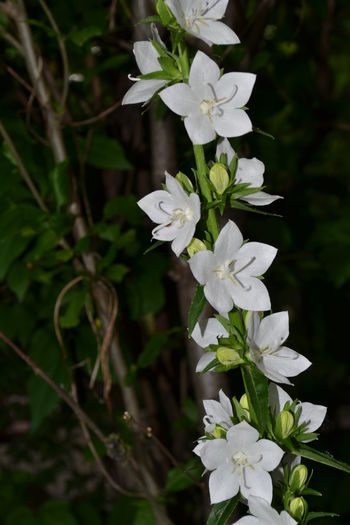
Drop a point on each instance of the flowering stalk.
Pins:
(253, 446)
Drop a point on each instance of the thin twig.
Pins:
(107, 342)
(11, 40)
(59, 390)
(98, 117)
(22, 169)
(111, 16)
(63, 50)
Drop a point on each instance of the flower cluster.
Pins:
(250, 443)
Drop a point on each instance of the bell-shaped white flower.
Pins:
(249, 171)
(211, 105)
(230, 273)
(200, 18)
(312, 415)
(240, 462)
(205, 333)
(264, 514)
(176, 213)
(217, 413)
(146, 57)
(265, 338)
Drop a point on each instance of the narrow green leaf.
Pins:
(153, 247)
(257, 389)
(314, 515)
(321, 457)
(149, 20)
(177, 479)
(79, 38)
(221, 512)
(196, 309)
(240, 206)
(18, 279)
(158, 75)
(117, 272)
(261, 132)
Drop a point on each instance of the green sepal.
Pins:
(210, 366)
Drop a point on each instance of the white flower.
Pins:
(200, 18)
(205, 333)
(176, 213)
(210, 104)
(240, 462)
(230, 273)
(312, 415)
(265, 338)
(147, 60)
(264, 514)
(249, 171)
(217, 413)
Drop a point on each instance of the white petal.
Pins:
(175, 188)
(262, 510)
(195, 205)
(207, 331)
(204, 361)
(203, 71)
(254, 296)
(241, 436)
(238, 84)
(217, 10)
(215, 411)
(218, 293)
(142, 91)
(278, 398)
(180, 98)
(286, 519)
(253, 326)
(232, 123)
(228, 242)
(286, 362)
(260, 198)
(257, 483)
(224, 147)
(259, 256)
(273, 330)
(271, 372)
(313, 415)
(167, 232)
(250, 171)
(271, 454)
(197, 449)
(146, 57)
(214, 453)
(199, 129)
(248, 520)
(202, 265)
(215, 32)
(150, 205)
(175, 8)
(223, 484)
(225, 402)
(183, 238)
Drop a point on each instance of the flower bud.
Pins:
(185, 182)
(297, 478)
(196, 245)
(244, 402)
(219, 432)
(219, 178)
(284, 424)
(228, 356)
(298, 508)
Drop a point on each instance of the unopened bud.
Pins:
(228, 356)
(184, 181)
(196, 245)
(219, 178)
(284, 424)
(244, 402)
(219, 432)
(297, 478)
(298, 508)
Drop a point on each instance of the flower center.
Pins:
(181, 215)
(212, 106)
(227, 271)
(240, 459)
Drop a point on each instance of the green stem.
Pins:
(212, 223)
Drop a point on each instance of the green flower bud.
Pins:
(298, 508)
(297, 478)
(219, 178)
(195, 246)
(219, 432)
(228, 356)
(185, 182)
(244, 402)
(284, 424)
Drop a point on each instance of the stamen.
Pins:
(246, 266)
(135, 79)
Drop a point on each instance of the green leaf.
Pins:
(107, 154)
(164, 12)
(56, 513)
(154, 346)
(21, 516)
(79, 38)
(117, 272)
(158, 75)
(155, 245)
(245, 207)
(261, 132)
(144, 514)
(10, 249)
(18, 279)
(149, 20)
(321, 457)
(124, 206)
(221, 512)
(257, 390)
(71, 317)
(315, 515)
(178, 481)
(196, 309)
(60, 183)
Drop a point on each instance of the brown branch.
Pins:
(11, 40)
(59, 390)
(98, 117)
